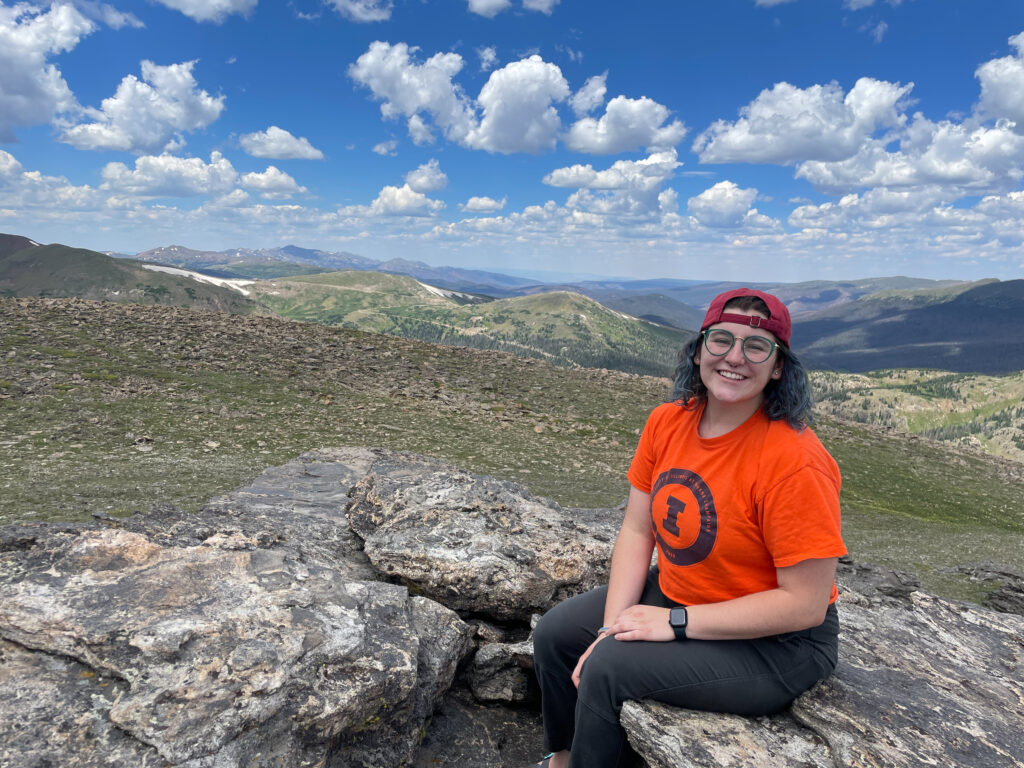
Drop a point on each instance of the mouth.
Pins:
(731, 375)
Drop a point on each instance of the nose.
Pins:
(735, 355)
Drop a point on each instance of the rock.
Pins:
(233, 637)
(921, 681)
(499, 672)
(465, 734)
(475, 543)
(1008, 595)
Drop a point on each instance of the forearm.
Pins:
(631, 562)
(772, 612)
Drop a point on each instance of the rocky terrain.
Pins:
(361, 607)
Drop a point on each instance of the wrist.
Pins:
(678, 619)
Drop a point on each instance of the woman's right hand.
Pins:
(583, 658)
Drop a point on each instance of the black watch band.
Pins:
(677, 619)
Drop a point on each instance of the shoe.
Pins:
(543, 763)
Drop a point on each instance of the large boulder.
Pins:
(920, 681)
(476, 543)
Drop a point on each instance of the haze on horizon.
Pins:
(755, 140)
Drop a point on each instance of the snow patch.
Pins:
(234, 284)
(444, 293)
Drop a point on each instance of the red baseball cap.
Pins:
(779, 322)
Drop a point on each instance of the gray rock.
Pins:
(218, 655)
(499, 672)
(921, 681)
(475, 543)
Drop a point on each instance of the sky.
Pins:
(760, 140)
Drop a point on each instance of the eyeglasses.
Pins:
(757, 349)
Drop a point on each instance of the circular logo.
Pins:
(676, 508)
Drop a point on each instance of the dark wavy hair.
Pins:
(788, 397)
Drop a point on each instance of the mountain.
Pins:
(563, 327)
(57, 270)
(456, 279)
(966, 328)
(11, 243)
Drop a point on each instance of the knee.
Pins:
(600, 678)
(547, 635)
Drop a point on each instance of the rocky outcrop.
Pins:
(359, 607)
(921, 681)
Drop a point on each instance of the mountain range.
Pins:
(633, 325)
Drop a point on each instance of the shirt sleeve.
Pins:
(800, 517)
(641, 469)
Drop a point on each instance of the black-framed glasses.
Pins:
(757, 349)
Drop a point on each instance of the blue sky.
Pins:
(705, 139)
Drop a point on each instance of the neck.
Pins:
(719, 418)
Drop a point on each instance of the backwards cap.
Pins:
(779, 322)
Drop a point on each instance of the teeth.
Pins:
(731, 375)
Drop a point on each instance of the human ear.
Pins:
(777, 371)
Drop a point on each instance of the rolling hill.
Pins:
(59, 271)
(562, 327)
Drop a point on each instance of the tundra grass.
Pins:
(111, 409)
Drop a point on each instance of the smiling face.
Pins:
(731, 379)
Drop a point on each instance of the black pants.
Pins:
(746, 677)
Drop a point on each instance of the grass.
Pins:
(114, 408)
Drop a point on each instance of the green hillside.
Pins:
(59, 271)
(561, 327)
(110, 409)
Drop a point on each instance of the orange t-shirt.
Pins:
(727, 511)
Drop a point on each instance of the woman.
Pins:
(742, 502)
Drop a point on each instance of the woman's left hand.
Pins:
(643, 622)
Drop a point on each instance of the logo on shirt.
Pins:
(685, 489)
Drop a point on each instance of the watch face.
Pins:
(677, 617)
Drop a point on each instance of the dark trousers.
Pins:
(745, 677)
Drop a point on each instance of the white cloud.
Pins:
(856, 5)
(148, 115)
(483, 205)
(363, 11)
(427, 178)
(646, 174)
(386, 148)
(271, 184)
(958, 156)
(108, 15)
(488, 57)
(488, 8)
(210, 10)
(408, 89)
(419, 131)
(518, 108)
(627, 124)
(544, 6)
(279, 144)
(32, 90)
(170, 176)
(770, 3)
(590, 96)
(30, 191)
(723, 205)
(403, 201)
(787, 124)
(879, 30)
(1002, 85)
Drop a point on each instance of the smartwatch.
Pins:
(677, 620)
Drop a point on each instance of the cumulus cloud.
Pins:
(590, 96)
(956, 155)
(403, 201)
(488, 8)
(279, 144)
(210, 10)
(408, 89)
(786, 124)
(518, 112)
(363, 11)
(32, 90)
(626, 188)
(170, 176)
(271, 184)
(386, 148)
(108, 15)
(627, 124)
(483, 204)
(1002, 85)
(723, 205)
(427, 178)
(31, 190)
(148, 115)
